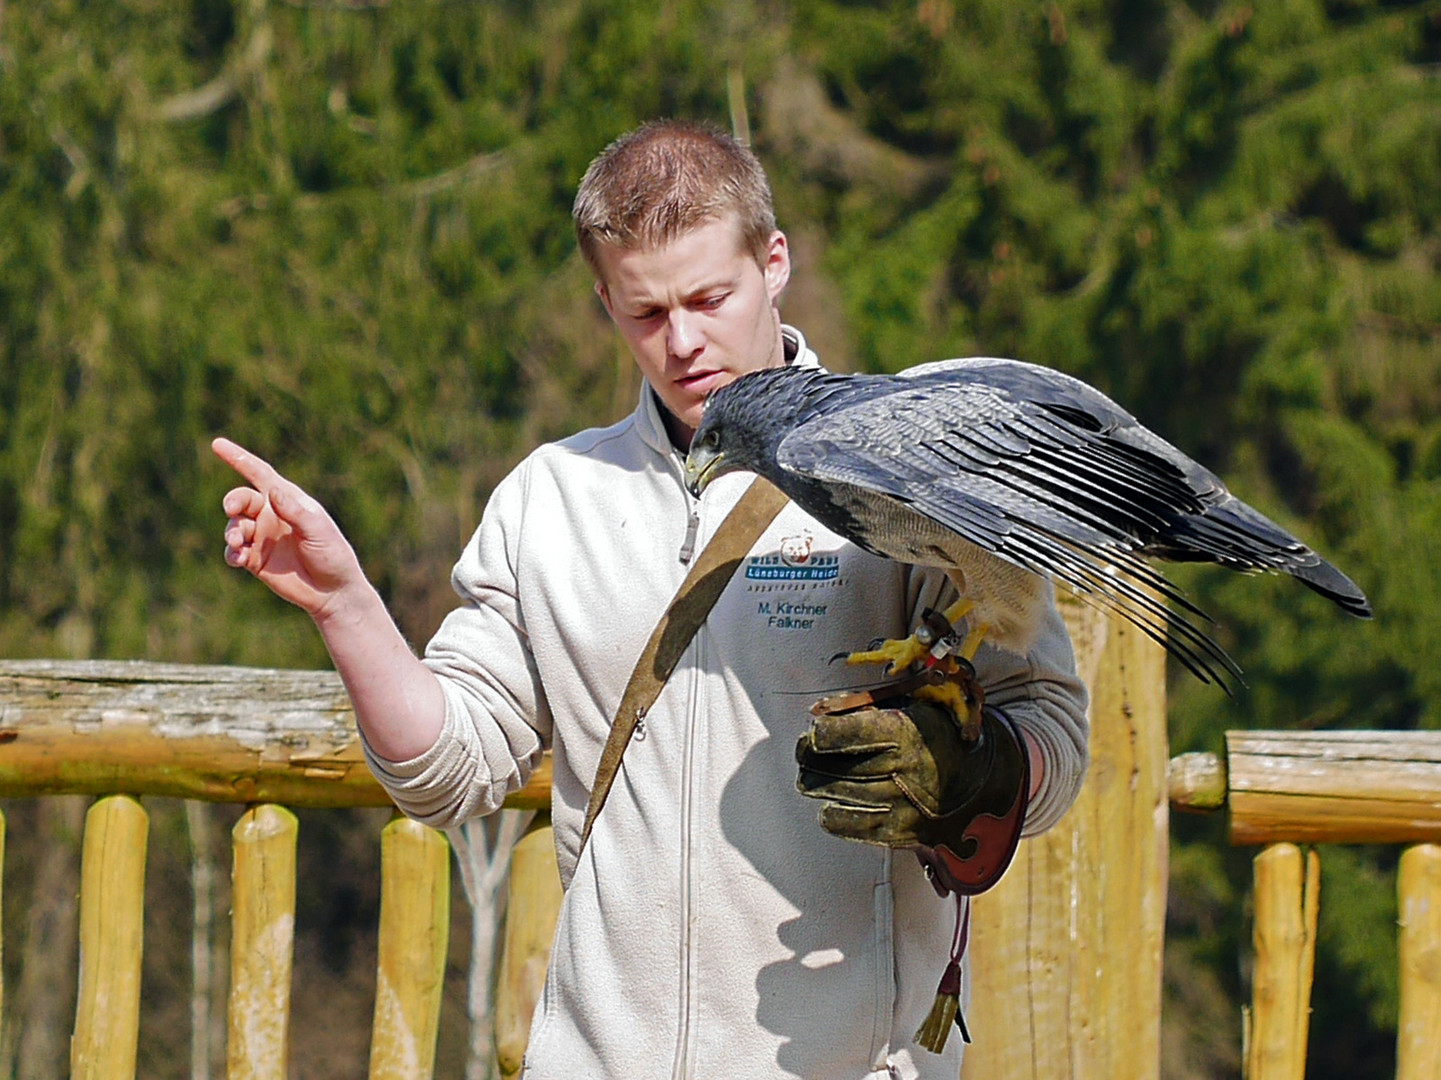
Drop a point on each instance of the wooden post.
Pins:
(262, 943)
(531, 913)
(414, 934)
(112, 919)
(1287, 903)
(1066, 950)
(1418, 1038)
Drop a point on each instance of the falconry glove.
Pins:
(910, 776)
(906, 777)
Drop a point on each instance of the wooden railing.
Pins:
(1284, 789)
(1071, 939)
(258, 737)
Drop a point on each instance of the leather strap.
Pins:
(698, 593)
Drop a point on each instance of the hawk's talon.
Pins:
(898, 654)
(934, 642)
(850, 657)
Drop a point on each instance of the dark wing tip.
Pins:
(1335, 586)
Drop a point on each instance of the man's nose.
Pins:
(684, 336)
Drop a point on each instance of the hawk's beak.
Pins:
(701, 467)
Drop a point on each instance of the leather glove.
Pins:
(904, 777)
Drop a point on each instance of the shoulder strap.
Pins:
(707, 579)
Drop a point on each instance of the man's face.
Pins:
(697, 313)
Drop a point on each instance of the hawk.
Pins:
(1003, 473)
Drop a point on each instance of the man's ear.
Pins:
(600, 291)
(777, 265)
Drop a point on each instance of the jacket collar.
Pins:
(648, 421)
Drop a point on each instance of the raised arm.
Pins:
(287, 540)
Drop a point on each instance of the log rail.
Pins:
(270, 739)
(123, 730)
(1281, 789)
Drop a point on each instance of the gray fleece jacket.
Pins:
(710, 928)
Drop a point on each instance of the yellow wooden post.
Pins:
(1418, 1042)
(112, 902)
(531, 913)
(414, 934)
(1066, 950)
(1288, 888)
(262, 943)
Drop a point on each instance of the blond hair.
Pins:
(665, 178)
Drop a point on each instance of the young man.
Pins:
(710, 926)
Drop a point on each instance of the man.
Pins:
(710, 926)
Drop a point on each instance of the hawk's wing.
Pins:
(1048, 487)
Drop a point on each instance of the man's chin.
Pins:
(686, 409)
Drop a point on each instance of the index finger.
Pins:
(258, 472)
(864, 731)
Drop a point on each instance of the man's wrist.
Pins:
(1037, 762)
(355, 604)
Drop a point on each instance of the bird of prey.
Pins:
(1003, 473)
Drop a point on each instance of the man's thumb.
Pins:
(293, 506)
(285, 505)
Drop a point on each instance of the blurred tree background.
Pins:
(338, 232)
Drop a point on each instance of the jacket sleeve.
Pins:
(496, 719)
(1043, 694)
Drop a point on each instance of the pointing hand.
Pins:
(284, 537)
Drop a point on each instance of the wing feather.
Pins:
(1043, 488)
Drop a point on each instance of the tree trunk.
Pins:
(483, 848)
(202, 879)
(45, 997)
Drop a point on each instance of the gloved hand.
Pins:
(904, 777)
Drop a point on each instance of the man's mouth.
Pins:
(700, 382)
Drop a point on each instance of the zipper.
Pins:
(681, 1064)
(692, 525)
(681, 1067)
(687, 547)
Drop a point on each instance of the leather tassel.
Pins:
(946, 1010)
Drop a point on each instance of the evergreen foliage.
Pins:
(338, 232)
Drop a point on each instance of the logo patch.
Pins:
(796, 550)
(797, 561)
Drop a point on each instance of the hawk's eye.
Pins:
(712, 438)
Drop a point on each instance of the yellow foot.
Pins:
(899, 653)
(933, 639)
(962, 698)
(958, 691)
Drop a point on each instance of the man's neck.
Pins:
(678, 433)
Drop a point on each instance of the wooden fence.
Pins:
(1283, 789)
(1046, 940)
(267, 739)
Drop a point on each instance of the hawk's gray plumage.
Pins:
(1000, 471)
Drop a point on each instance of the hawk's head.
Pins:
(744, 422)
